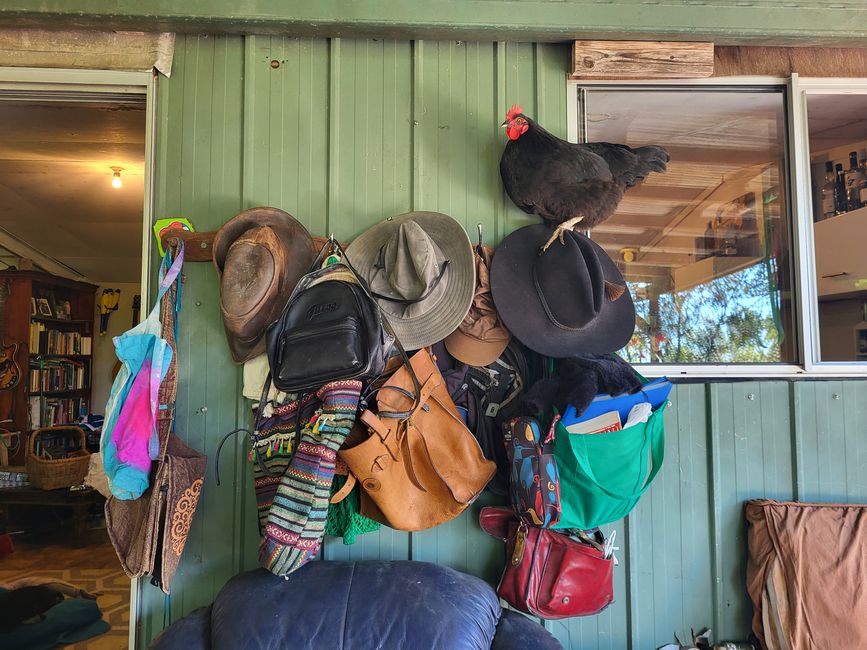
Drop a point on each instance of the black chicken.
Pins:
(561, 181)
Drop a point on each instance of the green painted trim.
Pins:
(768, 22)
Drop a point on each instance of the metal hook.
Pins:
(479, 226)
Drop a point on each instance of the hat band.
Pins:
(410, 301)
(548, 309)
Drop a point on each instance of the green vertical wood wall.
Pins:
(343, 133)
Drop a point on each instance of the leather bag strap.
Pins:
(343, 492)
(336, 247)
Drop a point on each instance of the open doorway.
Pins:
(72, 187)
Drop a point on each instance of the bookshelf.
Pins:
(54, 349)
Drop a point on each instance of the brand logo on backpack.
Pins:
(318, 310)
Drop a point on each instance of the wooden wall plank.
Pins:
(751, 431)
(641, 60)
(199, 177)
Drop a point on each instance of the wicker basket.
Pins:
(51, 474)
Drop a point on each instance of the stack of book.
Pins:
(47, 341)
(59, 374)
(56, 411)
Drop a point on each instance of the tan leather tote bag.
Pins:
(419, 465)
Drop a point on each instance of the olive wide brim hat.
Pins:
(420, 268)
(569, 299)
(260, 255)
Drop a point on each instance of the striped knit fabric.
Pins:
(295, 523)
(272, 441)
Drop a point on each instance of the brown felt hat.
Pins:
(481, 337)
(260, 255)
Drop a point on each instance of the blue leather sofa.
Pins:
(356, 606)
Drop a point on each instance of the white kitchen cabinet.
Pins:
(841, 253)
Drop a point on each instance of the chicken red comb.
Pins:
(514, 112)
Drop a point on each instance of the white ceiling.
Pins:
(712, 137)
(836, 120)
(55, 183)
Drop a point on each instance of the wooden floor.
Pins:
(94, 568)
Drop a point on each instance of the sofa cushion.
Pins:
(518, 632)
(355, 606)
(192, 632)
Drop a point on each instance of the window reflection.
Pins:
(705, 247)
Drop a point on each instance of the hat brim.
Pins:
(522, 311)
(472, 351)
(442, 317)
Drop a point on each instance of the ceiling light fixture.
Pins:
(116, 183)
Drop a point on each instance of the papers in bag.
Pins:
(610, 421)
(605, 423)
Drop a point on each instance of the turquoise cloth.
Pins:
(129, 439)
(71, 621)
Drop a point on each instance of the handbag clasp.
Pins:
(520, 544)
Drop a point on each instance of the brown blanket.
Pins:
(807, 574)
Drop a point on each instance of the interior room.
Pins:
(838, 179)
(71, 211)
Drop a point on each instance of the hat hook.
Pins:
(479, 226)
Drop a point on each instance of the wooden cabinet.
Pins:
(52, 349)
(841, 254)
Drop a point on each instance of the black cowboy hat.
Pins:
(565, 300)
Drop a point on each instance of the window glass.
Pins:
(705, 246)
(838, 173)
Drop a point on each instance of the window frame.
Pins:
(805, 313)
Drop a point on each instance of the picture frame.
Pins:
(44, 308)
(62, 309)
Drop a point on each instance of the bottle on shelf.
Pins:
(853, 183)
(828, 189)
(841, 202)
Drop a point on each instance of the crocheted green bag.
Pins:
(344, 518)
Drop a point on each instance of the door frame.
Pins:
(112, 82)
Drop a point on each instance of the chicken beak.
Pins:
(504, 124)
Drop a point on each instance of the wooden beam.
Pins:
(640, 60)
(21, 248)
(53, 48)
(199, 246)
(728, 22)
(734, 61)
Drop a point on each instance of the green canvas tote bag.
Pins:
(602, 475)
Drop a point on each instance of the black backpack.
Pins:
(330, 329)
(488, 397)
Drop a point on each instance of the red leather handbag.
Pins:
(549, 574)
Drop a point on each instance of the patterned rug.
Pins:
(112, 585)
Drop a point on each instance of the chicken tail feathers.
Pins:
(647, 160)
(654, 158)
